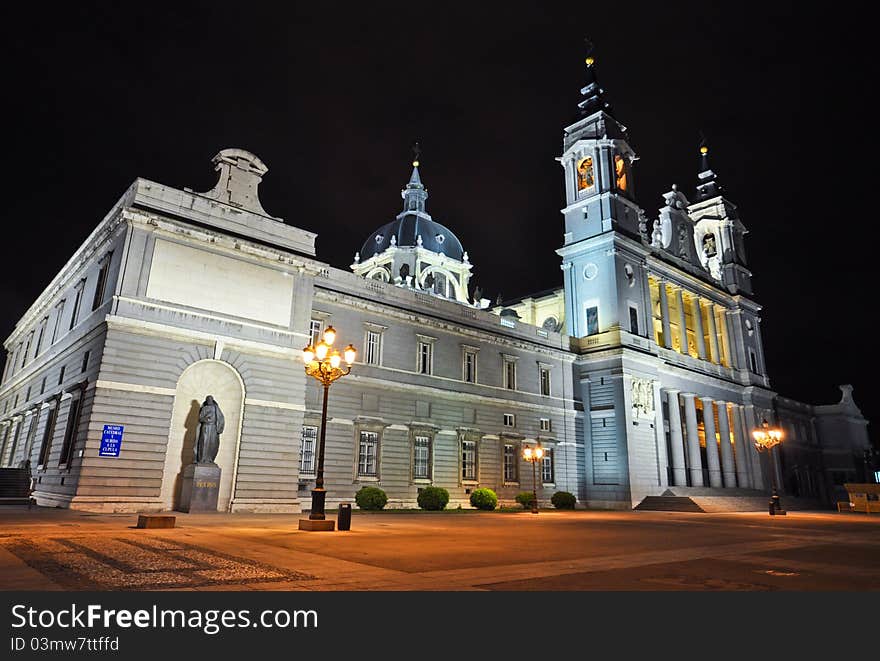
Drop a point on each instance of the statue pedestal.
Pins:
(200, 489)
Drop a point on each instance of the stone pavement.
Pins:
(51, 549)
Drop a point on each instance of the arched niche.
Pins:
(202, 378)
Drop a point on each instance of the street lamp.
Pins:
(533, 455)
(323, 363)
(766, 438)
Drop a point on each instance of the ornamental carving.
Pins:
(643, 396)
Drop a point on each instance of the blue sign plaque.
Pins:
(111, 441)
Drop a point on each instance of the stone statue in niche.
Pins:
(709, 248)
(643, 396)
(404, 271)
(682, 242)
(211, 425)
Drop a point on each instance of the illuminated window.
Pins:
(468, 460)
(510, 463)
(620, 172)
(422, 457)
(367, 453)
(585, 178)
(307, 450)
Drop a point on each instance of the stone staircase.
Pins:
(703, 499)
(668, 504)
(15, 486)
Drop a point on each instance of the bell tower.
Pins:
(597, 163)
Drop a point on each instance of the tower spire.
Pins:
(414, 193)
(707, 186)
(593, 95)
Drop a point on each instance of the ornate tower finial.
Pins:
(707, 186)
(593, 100)
(414, 193)
(417, 151)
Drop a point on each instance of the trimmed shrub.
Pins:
(524, 498)
(484, 499)
(370, 498)
(563, 500)
(433, 498)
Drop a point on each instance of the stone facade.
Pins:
(178, 294)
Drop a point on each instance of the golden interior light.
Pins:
(350, 354)
(308, 354)
(330, 335)
(321, 350)
(335, 359)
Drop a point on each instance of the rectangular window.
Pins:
(69, 444)
(469, 366)
(546, 425)
(633, 320)
(61, 375)
(74, 317)
(468, 460)
(510, 463)
(592, 320)
(509, 373)
(367, 452)
(316, 328)
(59, 313)
(27, 348)
(509, 420)
(102, 281)
(545, 381)
(48, 432)
(547, 467)
(43, 386)
(373, 347)
(85, 363)
(753, 359)
(307, 450)
(422, 457)
(425, 357)
(40, 335)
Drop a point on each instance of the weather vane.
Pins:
(589, 51)
(417, 150)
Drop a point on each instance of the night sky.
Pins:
(332, 97)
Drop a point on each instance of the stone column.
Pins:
(731, 340)
(712, 458)
(693, 440)
(751, 422)
(741, 443)
(664, 313)
(682, 321)
(698, 328)
(728, 469)
(676, 440)
(713, 334)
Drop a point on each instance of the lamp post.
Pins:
(766, 438)
(323, 363)
(533, 455)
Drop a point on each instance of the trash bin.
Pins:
(343, 521)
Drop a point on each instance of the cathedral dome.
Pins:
(405, 231)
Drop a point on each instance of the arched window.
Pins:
(620, 173)
(585, 179)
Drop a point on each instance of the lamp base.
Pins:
(317, 525)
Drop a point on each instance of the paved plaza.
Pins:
(52, 549)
